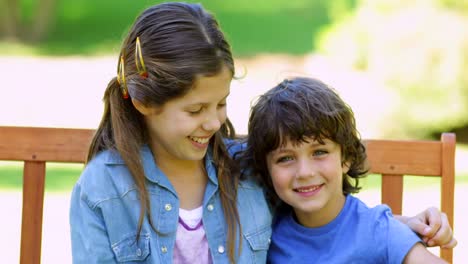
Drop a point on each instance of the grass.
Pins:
(411, 182)
(88, 27)
(60, 177)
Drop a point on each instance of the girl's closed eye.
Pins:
(222, 105)
(194, 111)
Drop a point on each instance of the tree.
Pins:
(9, 15)
(14, 28)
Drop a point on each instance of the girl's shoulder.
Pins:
(96, 168)
(104, 177)
(234, 146)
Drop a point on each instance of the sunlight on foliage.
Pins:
(417, 49)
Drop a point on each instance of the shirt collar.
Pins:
(152, 171)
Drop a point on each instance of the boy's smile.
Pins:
(309, 177)
(308, 190)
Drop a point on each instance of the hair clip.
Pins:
(140, 63)
(121, 77)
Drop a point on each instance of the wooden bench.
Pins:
(36, 146)
(393, 159)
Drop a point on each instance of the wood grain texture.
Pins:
(405, 157)
(33, 202)
(44, 144)
(391, 158)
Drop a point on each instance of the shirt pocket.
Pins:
(129, 250)
(259, 239)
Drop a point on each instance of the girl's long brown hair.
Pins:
(179, 43)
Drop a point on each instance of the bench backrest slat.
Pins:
(391, 158)
(44, 144)
(394, 159)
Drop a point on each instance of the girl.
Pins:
(160, 185)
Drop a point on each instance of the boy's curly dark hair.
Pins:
(299, 109)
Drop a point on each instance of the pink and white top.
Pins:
(191, 245)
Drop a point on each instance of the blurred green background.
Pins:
(416, 50)
(88, 27)
(401, 65)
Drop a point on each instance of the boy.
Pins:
(304, 147)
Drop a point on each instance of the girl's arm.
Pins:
(433, 227)
(90, 242)
(419, 254)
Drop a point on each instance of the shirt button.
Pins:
(168, 207)
(210, 207)
(269, 241)
(220, 249)
(138, 253)
(164, 249)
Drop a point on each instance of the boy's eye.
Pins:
(221, 105)
(284, 159)
(320, 152)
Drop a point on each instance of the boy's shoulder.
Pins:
(363, 234)
(376, 217)
(394, 238)
(363, 210)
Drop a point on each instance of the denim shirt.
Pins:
(105, 209)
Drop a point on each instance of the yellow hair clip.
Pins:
(121, 77)
(140, 63)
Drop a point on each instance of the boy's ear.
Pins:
(143, 109)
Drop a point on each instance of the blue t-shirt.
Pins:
(358, 234)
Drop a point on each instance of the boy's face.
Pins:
(309, 177)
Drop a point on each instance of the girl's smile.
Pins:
(200, 142)
(181, 129)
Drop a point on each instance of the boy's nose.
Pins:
(305, 169)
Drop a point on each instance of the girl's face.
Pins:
(309, 177)
(181, 129)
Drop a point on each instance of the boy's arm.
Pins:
(433, 227)
(419, 254)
